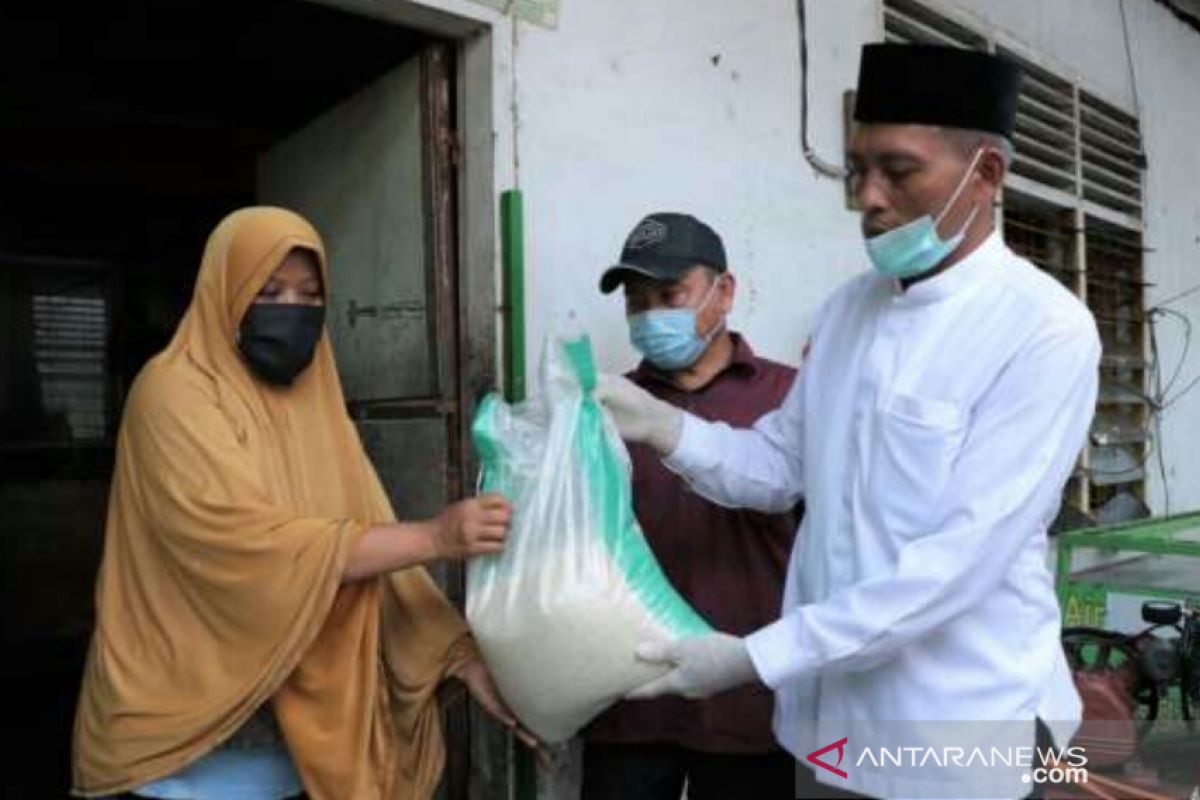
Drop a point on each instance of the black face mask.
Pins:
(278, 340)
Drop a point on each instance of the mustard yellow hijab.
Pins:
(233, 511)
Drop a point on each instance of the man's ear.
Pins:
(992, 169)
(727, 292)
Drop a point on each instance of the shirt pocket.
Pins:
(916, 441)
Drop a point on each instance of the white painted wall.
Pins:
(691, 105)
(622, 111)
(1168, 78)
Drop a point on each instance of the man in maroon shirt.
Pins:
(729, 564)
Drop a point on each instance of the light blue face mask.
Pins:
(667, 337)
(915, 247)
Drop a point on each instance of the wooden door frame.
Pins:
(465, 241)
(439, 157)
(457, 98)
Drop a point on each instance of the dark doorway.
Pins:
(128, 130)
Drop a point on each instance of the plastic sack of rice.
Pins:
(559, 613)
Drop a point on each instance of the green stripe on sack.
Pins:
(483, 432)
(609, 488)
(491, 479)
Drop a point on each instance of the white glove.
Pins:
(639, 415)
(703, 666)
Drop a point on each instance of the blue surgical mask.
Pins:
(915, 247)
(667, 337)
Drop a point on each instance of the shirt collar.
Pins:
(743, 360)
(959, 277)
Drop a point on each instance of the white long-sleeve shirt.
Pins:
(930, 432)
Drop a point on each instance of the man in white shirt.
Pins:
(939, 412)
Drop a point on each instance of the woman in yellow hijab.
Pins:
(264, 626)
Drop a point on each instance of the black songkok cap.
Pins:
(933, 85)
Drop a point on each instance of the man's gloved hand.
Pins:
(639, 415)
(703, 666)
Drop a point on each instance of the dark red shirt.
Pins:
(729, 564)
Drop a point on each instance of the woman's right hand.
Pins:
(472, 527)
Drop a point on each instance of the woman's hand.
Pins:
(479, 683)
(472, 527)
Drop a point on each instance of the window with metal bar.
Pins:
(56, 389)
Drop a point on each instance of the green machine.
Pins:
(1105, 574)
(1130, 596)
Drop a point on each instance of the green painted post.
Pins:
(512, 237)
(512, 253)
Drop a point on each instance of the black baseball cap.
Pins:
(663, 247)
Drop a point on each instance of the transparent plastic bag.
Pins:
(559, 613)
